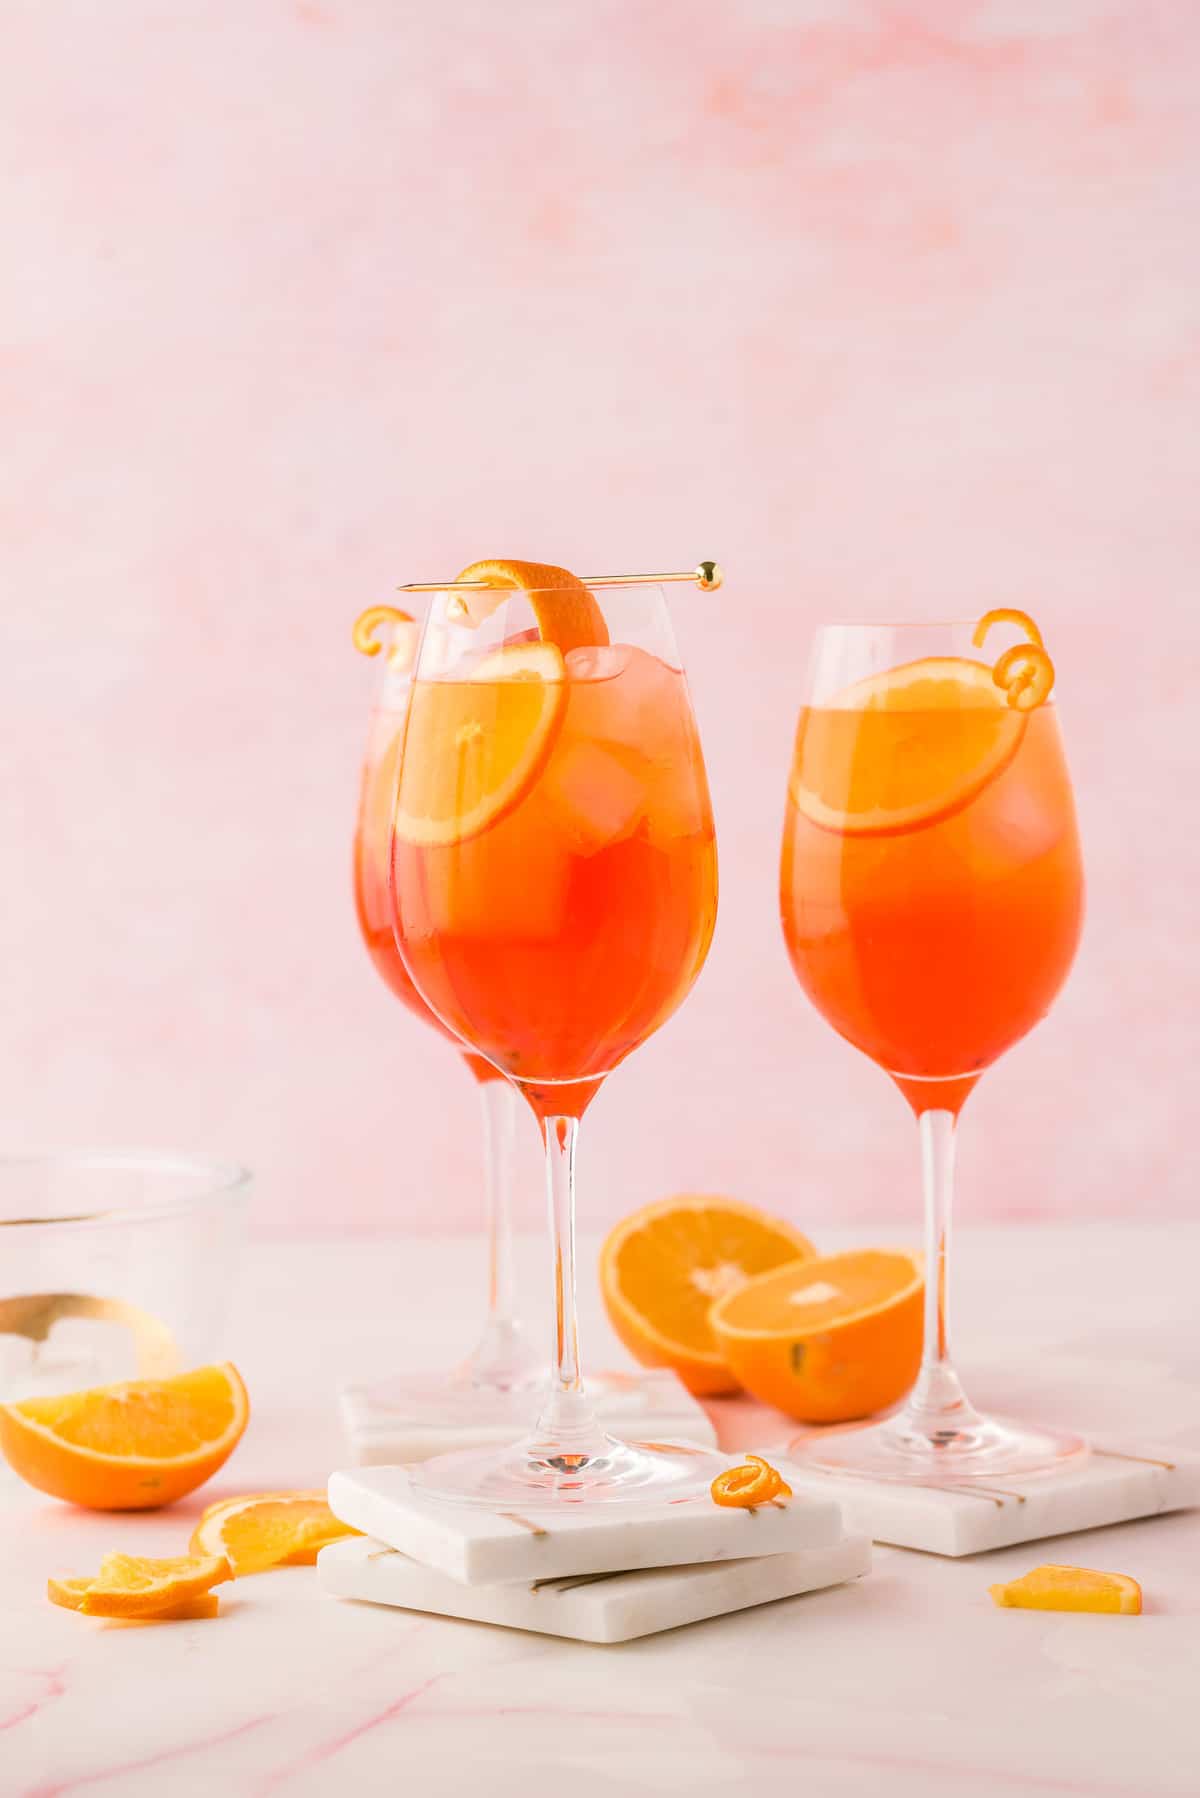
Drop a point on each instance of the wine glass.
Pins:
(554, 881)
(932, 900)
(502, 1362)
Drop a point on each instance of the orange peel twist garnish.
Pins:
(1024, 672)
(368, 622)
(755, 1482)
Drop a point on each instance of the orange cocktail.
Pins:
(561, 916)
(554, 879)
(931, 891)
(931, 886)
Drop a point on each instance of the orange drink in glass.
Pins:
(932, 898)
(555, 889)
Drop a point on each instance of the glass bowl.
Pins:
(114, 1266)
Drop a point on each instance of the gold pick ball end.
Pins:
(709, 576)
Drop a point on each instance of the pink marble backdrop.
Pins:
(890, 307)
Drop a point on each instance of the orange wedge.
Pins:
(1052, 1588)
(131, 1447)
(567, 615)
(662, 1268)
(829, 1339)
(268, 1529)
(130, 1586)
(70, 1594)
(483, 743)
(903, 749)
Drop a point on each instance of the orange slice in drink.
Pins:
(903, 749)
(484, 741)
(662, 1268)
(130, 1447)
(567, 615)
(268, 1529)
(826, 1340)
(1053, 1588)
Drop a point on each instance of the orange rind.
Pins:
(368, 624)
(754, 1482)
(1056, 1588)
(1024, 673)
(566, 611)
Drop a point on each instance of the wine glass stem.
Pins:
(500, 1358)
(938, 1407)
(567, 1413)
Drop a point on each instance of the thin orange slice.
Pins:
(826, 1340)
(268, 1529)
(662, 1268)
(1053, 1588)
(475, 747)
(567, 615)
(903, 749)
(132, 1586)
(130, 1447)
(70, 1595)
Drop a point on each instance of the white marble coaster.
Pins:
(972, 1516)
(399, 1422)
(592, 1607)
(479, 1546)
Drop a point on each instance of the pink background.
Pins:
(890, 308)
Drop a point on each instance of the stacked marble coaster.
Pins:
(970, 1516)
(410, 1420)
(598, 1573)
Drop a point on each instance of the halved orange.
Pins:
(268, 1529)
(662, 1268)
(830, 1339)
(133, 1586)
(1053, 1588)
(475, 747)
(904, 748)
(130, 1447)
(566, 612)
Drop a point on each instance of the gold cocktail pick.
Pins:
(707, 576)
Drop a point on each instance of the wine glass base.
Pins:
(537, 1475)
(986, 1448)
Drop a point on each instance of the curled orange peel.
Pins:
(368, 622)
(1025, 672)
(755, 1482)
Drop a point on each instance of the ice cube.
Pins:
(596, 796)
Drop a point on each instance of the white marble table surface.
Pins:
(911, 1683)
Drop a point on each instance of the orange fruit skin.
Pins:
(99, 1482)
(705, 1372)
(834, 1374)
(566, 611)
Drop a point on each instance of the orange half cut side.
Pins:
(482, 743)
(903, 749)
(129, 1447)
(566, 611)
(662, 1268)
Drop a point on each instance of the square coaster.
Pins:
(396, 1422)
(591, 1607)
(479, 1546)
(968, 1518)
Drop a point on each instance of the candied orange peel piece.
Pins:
(754, 1482)
(363, 635)
(1025, 672)
(1055, 1588)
